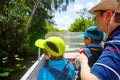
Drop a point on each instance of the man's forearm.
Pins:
(85, 73)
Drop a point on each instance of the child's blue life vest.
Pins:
(60, 75)
(93, 53)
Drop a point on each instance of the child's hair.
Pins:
(94, 41)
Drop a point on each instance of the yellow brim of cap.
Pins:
(40, 43)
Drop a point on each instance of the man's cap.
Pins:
(54, 45)
(93, 33)
(106, 5)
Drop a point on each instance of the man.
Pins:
(107, 67)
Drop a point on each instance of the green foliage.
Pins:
(5, 74)
(20, 67)
(50, 28)
(82, 23)
(61, 5)
(13, 32)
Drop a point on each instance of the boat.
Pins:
(73, 44)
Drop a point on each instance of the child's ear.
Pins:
(47, 56)
(89, 39)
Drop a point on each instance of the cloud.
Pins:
(90, 5)
(63, 22)
(78, 7)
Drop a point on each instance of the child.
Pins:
(57, 67)
(92, 40)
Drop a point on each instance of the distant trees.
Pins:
(83, 22)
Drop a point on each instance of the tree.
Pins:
(83, 22)
(13, 32)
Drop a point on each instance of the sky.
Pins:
(65, 19)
